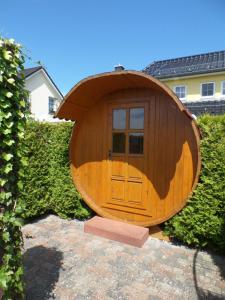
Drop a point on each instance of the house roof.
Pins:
(30, 71)
(188, 65)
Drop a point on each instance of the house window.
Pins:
(180, 91)
(207, 89)
(52, 105)
(223, 88)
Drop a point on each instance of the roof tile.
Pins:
(189, 65)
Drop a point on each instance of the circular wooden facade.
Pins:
(134, 149)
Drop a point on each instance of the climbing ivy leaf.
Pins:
(8, 168)
(7, 156)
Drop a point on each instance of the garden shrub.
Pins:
(202, 222)
(12, 161)
(48, 185)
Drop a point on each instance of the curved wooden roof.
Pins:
(89, 90)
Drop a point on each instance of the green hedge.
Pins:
(48, 186)
(202, 222)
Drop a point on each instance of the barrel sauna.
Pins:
(134, 149)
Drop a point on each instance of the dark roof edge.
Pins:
(35, 69)
(186, 74)
(42, 68)
(187, 56)
(53, 82)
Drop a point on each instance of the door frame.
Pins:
(125, 206)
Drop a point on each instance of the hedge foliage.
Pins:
(202, 222)
(13, 110)
(48, 186)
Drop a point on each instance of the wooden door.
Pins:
(127, 188)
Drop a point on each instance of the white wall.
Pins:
(40, 90)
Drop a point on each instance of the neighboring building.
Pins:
(45, 96)
(198, 80)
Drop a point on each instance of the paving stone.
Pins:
(61, 262)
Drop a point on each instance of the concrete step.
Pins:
(117, 231)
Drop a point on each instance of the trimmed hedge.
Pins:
(48, 186)
(202, 222)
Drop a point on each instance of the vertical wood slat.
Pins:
(170, 160)
(161, 158)
(187, 163)
(156, 154)
(179, 159)
(152, 196)
(104, 165)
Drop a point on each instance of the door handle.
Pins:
(110, 154)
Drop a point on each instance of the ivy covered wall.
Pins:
(12, 162)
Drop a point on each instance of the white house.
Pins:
(45, 96)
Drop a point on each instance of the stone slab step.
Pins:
(117, 231)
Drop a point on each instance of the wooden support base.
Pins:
(156, 232)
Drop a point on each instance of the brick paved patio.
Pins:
(62, 262)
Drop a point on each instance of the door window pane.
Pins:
(137, 118)
(136, 142)
(119, 142)
(119, 118)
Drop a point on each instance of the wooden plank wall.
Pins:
(172, 158)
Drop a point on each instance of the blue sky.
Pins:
(75, 39)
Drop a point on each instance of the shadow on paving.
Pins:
(203, 294)
(42, 267)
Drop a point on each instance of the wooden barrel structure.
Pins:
(134, 149)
